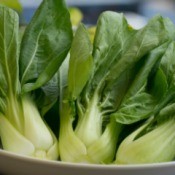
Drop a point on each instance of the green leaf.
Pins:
(112, 32)
(9, 24)
(117, 67)
(168, 65)
(166, 113)
(45, 44)
(144, 40)
(170, 28)
(158, 85)
(142, 94)
(145, 68)
(167, 72)
(111, 37)
(46, 96)
(81, 62)
(136, 108)
(9, 70)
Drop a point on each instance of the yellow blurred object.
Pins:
(76, 16)
(14, 4)
(130, 27)
(92, 31)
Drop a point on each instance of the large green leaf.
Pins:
(144, 40)
(112, 33)
(9, 79)
(119, 55)
(138, 103)
(111, 37)
(45, 44)
(160, 86)
(9, 50)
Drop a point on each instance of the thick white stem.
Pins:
(89, 126)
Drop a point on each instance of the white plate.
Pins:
(12, 164)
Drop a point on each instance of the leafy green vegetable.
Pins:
(81, 61)
(45, 44)
(154, 147)
(145, 92)
(155, 140)
(44, 51)
(138, 103)
(116, 94)
(123, 59)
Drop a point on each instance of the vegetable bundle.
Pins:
(27, 66)
(114, 96)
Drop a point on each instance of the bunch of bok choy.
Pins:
(114, 90)
(154, 140)
(106, 86)
(27, 66)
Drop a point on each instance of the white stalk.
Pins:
(89, 126)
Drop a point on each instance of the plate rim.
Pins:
(58, 163)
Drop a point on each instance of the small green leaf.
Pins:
(81, 62)
(166, 113)
(135, 108)
(158, 85)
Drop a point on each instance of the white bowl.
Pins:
(13, 164)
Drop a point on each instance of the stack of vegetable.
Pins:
(114, 96)
(28, 83)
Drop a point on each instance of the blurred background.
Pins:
(136, 11)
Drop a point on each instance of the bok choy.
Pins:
(154, 141)
(28, 70)
(115, 87)
(100, 76)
